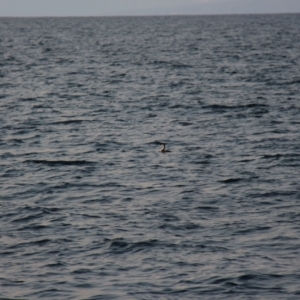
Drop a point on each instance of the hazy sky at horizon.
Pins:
(138, 7)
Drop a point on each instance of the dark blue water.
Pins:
(90, 209)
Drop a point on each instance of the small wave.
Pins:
(120, 245)
(248, 277)
(231, 180)
(288, 82)
(181, 106)
(60, 162)
(28, 218)
(208, 208)
(272, 194)
(181, 66)
(185, 123)
(220, 107)
(184, 227)
(267, 156)
(40, 242)
(160, 62)
(175, 65)
(252, 230)
(28, 99)
(70, 122)
(47, 50)
(3, 95)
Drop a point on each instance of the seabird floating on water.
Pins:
(163, 149)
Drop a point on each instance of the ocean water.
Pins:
(90, 209)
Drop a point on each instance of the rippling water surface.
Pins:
(90, 209)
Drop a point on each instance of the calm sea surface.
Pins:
(90, 209)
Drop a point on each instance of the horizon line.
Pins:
(156, 15)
